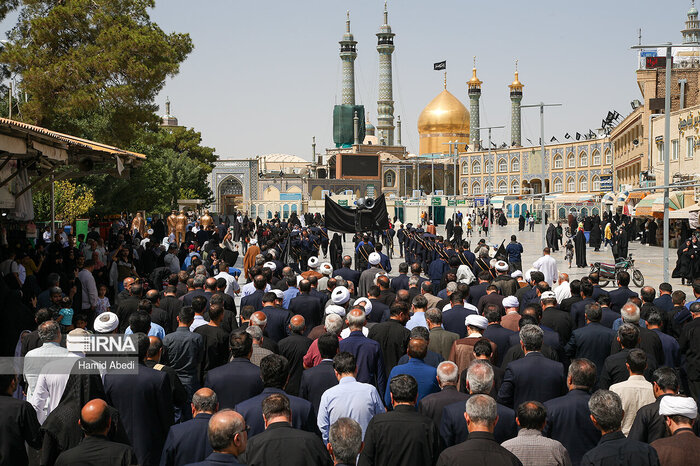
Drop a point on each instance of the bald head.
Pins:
(95, 418)
(227, 432)
(210, 284)
(204, 400)
(563, 277)
(417, 348)
(259, 319)
(297, 324)
(356, 319)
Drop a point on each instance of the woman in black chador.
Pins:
(580, 248)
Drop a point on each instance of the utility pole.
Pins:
(541, 106)
(492, 178)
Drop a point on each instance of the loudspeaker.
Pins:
(364, 220)
(369, 202)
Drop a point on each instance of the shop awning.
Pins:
(637, 195)
(497, 202)
(622, 196)
(676, 201)
(608, 198)
(645, 207)
(685, 212)
(571, 198)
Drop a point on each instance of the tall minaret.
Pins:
(385, 103)
(348, 53)
(474, 91)
(691, 33)
(516, 96)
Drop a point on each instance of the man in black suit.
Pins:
(198, 284)
(491, 297)
(18, 424)
(294, 347)
(387, 296)
(690, 347)
(615, 365)
(277, 317)
(598, 290)
(453, 318)
(380, 311)
(281, 443)
(533, 377)
(608, 316)
(307, 306)
(479, 380)
(550, 340)
(575, 287)
(255, 299)
(433, 404)
(591, 341)
(128, 306)
(568, 417)
(145, 405)
(347, 272)
(320, 295)
(496, 333)
(649, 341)
(188, 442)
(665, 301)
(578, 310)
(532, 296)
(400, 282)
(95, 421)
(622, 294)
(228, 436)
(479, 290)
(274, 370)
(171, 305)
(553, 318)
(648, 424)
(318, 379)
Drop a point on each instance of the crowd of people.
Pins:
(308, 354)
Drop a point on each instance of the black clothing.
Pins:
(187, 442)
(580, 249)
(569, 422)
(498, 373)
(294, 347)
(96, 450)
(649, 341)
(315, 381)
(619, 297)
(433, 404)
(453, 429)
(380, 312)
(615, 369)
(565, 304)
(690, 347)
(591, 342)
(309, 307)
(559, 321)
(615, 449)
(501, 337)
(648, 424)
(283, 444)
(578, 312)
(18, 424)
(171, 305)
(251, 410)
(234, 382)
(178, 390)
(392, 337)
(480, 449)
(216, 347)
(277, 322)
(400, 437)
(124, 309)
(533, 377)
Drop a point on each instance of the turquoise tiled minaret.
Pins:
(474, 91)
(516, 96)
(348, 54)
(385, 102)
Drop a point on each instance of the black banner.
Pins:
(442, 65)
(342, 219)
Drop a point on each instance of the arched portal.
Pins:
(230, 195)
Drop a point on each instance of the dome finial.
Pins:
(347, 22)
(474, 83)
(167, 105)
(516, 85)
(444, 84)
(386, 14)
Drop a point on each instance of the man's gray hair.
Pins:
(480, 377)
(207, 404)
(630, 313)
(451, 287)
(255, 332)
(199, 280)
(606, 407)
(220, 434)
(299, 327)
(333, 323)
(413, 280)
(482, 409)
(340, 281)
(200, 270)
(356, 320)
(448, 373)
(49, 331)
(345, 436)
(434, 315)
(262, 323)
(532, 337)
(484, 252)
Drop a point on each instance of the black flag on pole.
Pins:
(440, 65)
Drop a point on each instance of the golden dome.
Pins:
(516, 85)
(474, 82)
(444, 114)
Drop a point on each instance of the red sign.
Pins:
(656, 62)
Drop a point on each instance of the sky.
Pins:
(264, 75)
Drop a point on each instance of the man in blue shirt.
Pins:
(514, 250)
(367, 352)
(425, 375)
(291, 292)
(141, 322)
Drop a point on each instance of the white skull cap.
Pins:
(335, 309)
(368, 304)
(340, 295)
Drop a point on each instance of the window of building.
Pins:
(583, 159)
(476, 188)
(465, 168)
(476, 167)
(674, 149)
(571, 160)
(489, 166)
(558, 185)
(488, 187)
(596, 183)
(465, 189)
(608, 158)
(596, 158)
(515, 187)
(690, 147)
(502, 187)
(558, 161)
(515, 165)
(660, 149)
(389, 179)
(583, 184)
(571, 184)
(502, 166)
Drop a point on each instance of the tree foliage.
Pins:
(92, 67)
(71, 200)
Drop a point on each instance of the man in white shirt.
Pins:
(232, 287)
(87, 281)
(548, 266)
(563, 290)
(636, 391)
(36, 359)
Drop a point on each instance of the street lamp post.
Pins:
(541, 106)
(492, 179)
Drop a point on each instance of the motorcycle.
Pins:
(607, 272)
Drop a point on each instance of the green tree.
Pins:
(92, 67)
(71, 201)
